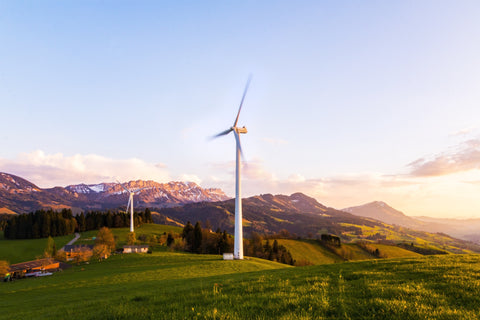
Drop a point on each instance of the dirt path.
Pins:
(77, 236)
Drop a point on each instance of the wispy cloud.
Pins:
(190, 178)
(464, 157)
(49, 170)
(463, 132)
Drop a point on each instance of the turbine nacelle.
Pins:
(240, 130)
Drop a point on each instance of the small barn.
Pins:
(73, 250)
(20, 270)
(135, 249)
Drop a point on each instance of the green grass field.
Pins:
(15, 251)
(307, 252)
(167, 285)
(393, 251)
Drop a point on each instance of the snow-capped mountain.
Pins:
(21, 196)
(14, 184)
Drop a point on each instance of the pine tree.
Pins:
(148, 216)
(170, 240)
(197, 237)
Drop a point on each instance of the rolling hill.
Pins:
(166, 285)
(304, 217)
(176, 203)
(466, 229)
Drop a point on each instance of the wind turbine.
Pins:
(238, 246)
(130, 203)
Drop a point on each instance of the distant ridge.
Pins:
(466, 229)
(298, 215)
(21, 196)
(381, 211)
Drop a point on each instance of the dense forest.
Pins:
(202, 240)
(45, 223)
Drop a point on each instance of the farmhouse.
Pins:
(74, 250)
(21, 270)
(135, 249)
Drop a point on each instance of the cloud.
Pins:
(191, 178)
(49, 170)
(463, 132)
(463, 158)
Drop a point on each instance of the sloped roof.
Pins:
(137, 247)
(77, 247)
(32, 264)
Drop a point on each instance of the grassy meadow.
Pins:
(310, 252)
(166, 285)
(21, 250)
(16, 251)
(172, 285)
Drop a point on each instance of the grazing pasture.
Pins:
(21, 250)
(166, 285)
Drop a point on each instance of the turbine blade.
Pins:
(138, 190)
(239, 145)
(243, 98)
(122, 186)
(223, 133)
(128, 204)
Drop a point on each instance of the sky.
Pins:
(350, 101)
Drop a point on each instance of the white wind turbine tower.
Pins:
(238, 246)
(130, 203)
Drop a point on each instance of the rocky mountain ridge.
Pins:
(21, 196)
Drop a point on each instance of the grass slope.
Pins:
(184, 286)
(15, 251)
(22, 250)
(106, 290)
(310, 252)
(6, 211)
(305, 251)
(394, 251)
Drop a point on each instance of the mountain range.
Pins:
(298, 215)
(178, 202)
(18, 195)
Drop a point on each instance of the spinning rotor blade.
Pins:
(223, 133)
(128, 204)
(138, 190)
(241, 102)
(123, 187)
(239, 145)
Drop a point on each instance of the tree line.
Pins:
(40, 224)
(50, 223)
(202, 240)
(260, 247)
(94, 220)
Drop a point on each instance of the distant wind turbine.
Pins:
(238, 246)
(130, 203)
